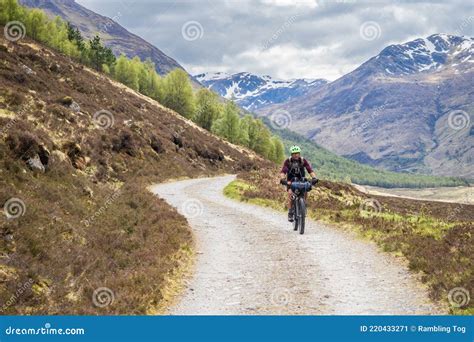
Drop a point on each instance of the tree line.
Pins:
(203, 106)
(174, 90)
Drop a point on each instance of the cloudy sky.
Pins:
(283, 38)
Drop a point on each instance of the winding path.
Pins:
(249, 261)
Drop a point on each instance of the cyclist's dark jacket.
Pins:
(295, 168)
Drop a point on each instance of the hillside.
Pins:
(77, 151)
(407, 109)
(113, 34)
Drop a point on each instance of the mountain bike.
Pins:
(299, 188)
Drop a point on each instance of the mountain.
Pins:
(407, 109)
(252, 92)
(114, 35)
(429, 54)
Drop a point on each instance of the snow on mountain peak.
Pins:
(426, 54)
(253, 91)
(211, 76)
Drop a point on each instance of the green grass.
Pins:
(330, 166)
(237, 188)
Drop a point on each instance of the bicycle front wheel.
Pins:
(301, 214)
(295, 215)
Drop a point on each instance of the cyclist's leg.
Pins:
(289, 203)
(291, 210)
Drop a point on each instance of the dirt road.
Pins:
(249, 261)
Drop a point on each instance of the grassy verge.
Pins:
(438, 244)
(236, 189)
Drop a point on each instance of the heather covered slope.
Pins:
(77, 152)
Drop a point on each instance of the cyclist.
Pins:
(294, 168)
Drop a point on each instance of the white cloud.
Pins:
(291, 3)
(302, 38)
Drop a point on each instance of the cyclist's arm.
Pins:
(284, 170)
(310, 170)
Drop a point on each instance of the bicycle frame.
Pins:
(299, 190)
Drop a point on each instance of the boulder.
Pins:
(35, 164)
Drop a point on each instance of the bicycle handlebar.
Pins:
(285, 182)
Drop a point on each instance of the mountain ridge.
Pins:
(400, 120)
(252, 91)
(115, 36)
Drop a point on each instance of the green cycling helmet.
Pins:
(295, 149)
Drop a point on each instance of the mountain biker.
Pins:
(294, 168)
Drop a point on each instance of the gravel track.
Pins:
(250, 261)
